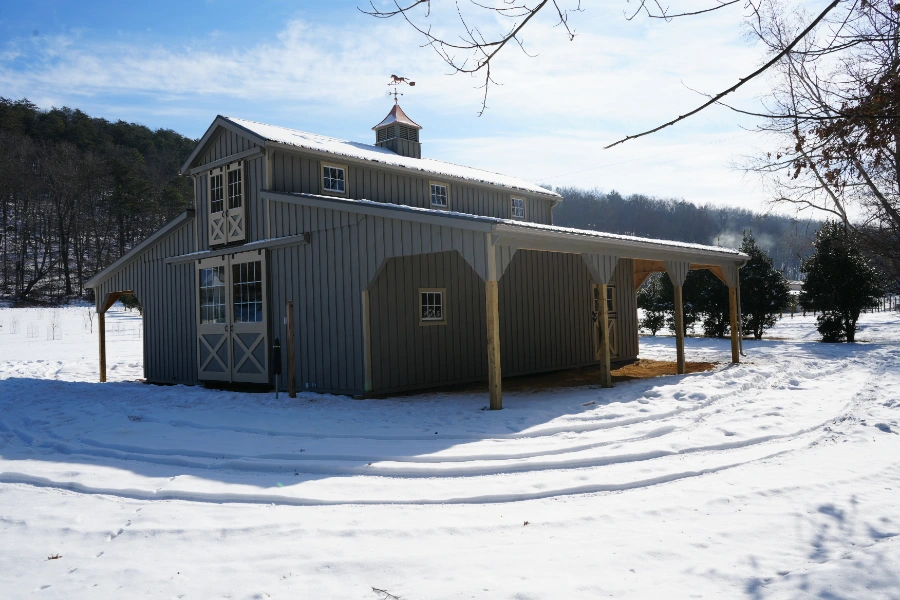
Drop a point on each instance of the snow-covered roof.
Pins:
(512, 225)
(322, 143)
(397, 116)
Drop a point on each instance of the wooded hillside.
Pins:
(785, 239)
(76, 192)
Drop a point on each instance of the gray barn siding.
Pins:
(227, 143)
(168, 296)
(626, 304)
(545, 319)
(296, 172)
(545, 313)
(407, 355)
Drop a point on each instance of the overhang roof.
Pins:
(263, 134)
(528, 235)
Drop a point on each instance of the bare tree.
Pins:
(472, 51)
(833, 118)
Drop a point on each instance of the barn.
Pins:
(380, 271)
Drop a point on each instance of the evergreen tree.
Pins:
(710, 298)
(840, 282)
(650, 300)
(764, 290)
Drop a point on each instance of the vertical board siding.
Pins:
(546, 319)
(299, 173)
(168, 297)
(545, 313)
(626, 306)
(408, 355)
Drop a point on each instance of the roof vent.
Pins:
(399, 133)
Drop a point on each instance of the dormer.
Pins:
(399, 133)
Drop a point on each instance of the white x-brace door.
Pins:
(233, 342)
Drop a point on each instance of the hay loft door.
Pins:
(613, 321)
(227, 218)
(233, 342)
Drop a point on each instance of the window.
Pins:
(235, 190)
(611, 298)
(518, 208)
(216, 193)
(212, 295)
(431, 306)
(439, 195)
(246, 288)
(333, 179)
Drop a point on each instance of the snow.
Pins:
(776, 478)
(323, 143)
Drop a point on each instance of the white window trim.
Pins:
(446, 187)
(512, 208)
(428, 322)
(327, 192)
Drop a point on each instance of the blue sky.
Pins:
(323, 66)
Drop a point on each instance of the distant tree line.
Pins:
(786, 240)
(77, 192)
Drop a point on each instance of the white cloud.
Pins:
(548, 121)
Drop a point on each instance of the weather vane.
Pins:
(395, 82)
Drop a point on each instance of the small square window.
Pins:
(431, 307)
(518, 208)
(439, 195)
(333, 179)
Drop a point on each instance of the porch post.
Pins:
(492, 306)
(677, 274)
(605, 368)
(679, 330)
(735, 327)
(101, 332)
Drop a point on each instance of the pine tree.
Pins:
(764, 290)
(650, 300)
(840, 282)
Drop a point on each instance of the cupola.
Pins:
(399, 133)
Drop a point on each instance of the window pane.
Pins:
(212, 295)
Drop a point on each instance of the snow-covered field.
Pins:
(777, 478)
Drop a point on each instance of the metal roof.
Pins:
(397, 116)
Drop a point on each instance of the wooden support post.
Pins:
(291, 364)
(367, 341)
(735, 326)
(101, 331)
(605, 368)
(492, 306)
(679, 330)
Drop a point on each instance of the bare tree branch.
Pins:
(740, 82)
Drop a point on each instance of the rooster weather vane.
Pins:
(397, 81)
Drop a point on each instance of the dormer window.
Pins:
(439, 195)
(333, 179)
(518, 208)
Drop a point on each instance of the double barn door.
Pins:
(612, 323)
(232, 331)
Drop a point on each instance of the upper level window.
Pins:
(518, 208)
(333, 179)
(439, 195)
(431, 306)
(235, 189)
(216, 192)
